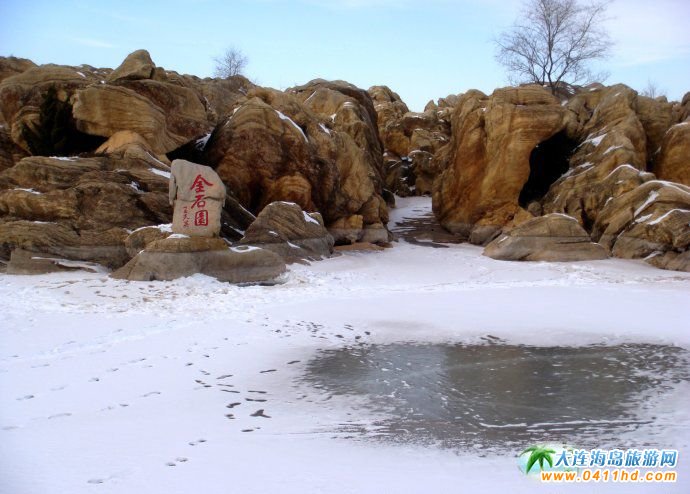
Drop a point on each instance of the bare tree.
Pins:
(652, 90)
(231, 63)
(553, 41)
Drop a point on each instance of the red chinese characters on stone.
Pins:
(201, 218)
(199, 186)
(185, 217)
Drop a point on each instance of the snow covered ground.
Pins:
(194, 385)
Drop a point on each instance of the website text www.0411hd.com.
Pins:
(598, 475)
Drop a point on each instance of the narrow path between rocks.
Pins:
(413, 221)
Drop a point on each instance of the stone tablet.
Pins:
(198, 195)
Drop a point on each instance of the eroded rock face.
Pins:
(275, 148)
(166, 115)
(650, 220)
(673, 163)
(23, 94)
(607, 188)
(293, 234)
(80, 208)
(411, 142)
(178, 256)
(554, 237)
(166, 109)
(489, 158)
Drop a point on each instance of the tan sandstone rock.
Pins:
(198, 195)
(490, 151)
(293, 234)
(179, 256)
(673, 163)
(137, 65)
(554, 237)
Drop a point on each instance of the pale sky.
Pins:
(421, 49)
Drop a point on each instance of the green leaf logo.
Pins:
(538, 454)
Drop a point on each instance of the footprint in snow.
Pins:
(26, 397)
(260, 413)
(152, 393)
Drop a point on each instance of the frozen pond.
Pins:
(496, 397)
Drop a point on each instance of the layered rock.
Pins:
(276, 148)
(411, 141)
(673, 162)
(293, 234)
(554, 237)
(90, 105)
(489, 157)
(179, 256)
(607, 188)
(80, 208)
(47, 87)
(648, 221)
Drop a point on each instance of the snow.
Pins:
(594, 140)
(30, 191)
(309, 219)
(663, 216)
(650, 199)
(135, 186)
(244, 248)
(325, 129)
(291, 122)
(178, 235)
(161, 173)
(625, 165)
(81, 74)
(105, 383)
(62, 158)
(165, 227)
(612, 148)
(201, 142)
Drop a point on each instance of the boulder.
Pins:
(178, 256)
(137, 65)
(554, 237)
(285, 229)
(489, 157)
(673, 261)
(25, 262)
(198, 195)
(140, 238)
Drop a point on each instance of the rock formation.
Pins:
(276, 147)
(294, 235)
(411, 142)
(520, 152)
(489, 164)
(554, 237)
(178, 256)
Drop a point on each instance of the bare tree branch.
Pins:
(554, 41)
(231, 63)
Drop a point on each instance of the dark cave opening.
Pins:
(548, 161)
